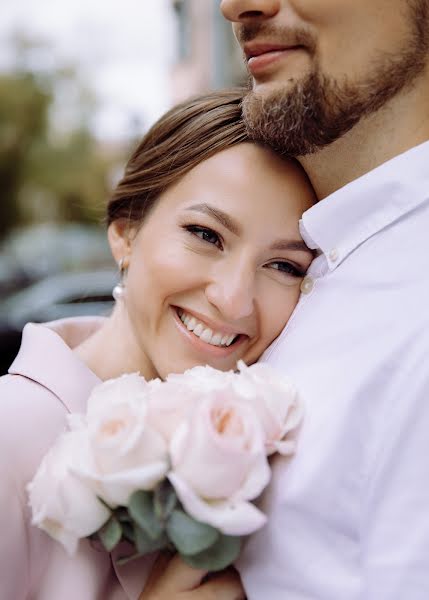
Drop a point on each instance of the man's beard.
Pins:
(318, 110)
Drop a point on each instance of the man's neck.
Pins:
(397, 127)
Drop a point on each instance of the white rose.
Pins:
(169, 405)
(219, 464)
(62, 505)
(276, 402)
(203, 379)
(127, 454)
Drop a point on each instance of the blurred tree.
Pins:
(52, 168)
(23, 123)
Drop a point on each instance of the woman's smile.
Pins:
(215, 268)
(204, 337)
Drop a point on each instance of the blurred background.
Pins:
(80, 83)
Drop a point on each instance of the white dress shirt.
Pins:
(349, 513)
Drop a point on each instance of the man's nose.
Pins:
(247, 10)
(232, 292)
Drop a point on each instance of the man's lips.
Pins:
(261, 56)
(256, 49)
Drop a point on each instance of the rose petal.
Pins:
(275, 398)
(115, 489)
(257, 480)
(240, 518)
(216, 462)
(62, 505)
(285, 448)
(85, 514)
(67, 539)
(129, 386)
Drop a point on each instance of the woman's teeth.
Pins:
(205, 333)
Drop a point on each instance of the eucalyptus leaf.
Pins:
(141, 509)
(219, 556)
(122, 515)
(188, 535)
(128, 532)
(165, 500)
(110, 534)
(145, 544)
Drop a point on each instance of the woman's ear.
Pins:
(119, 234)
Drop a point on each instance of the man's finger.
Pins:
(181, 577)
(225, 586)
(160, 565)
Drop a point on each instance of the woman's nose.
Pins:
(232, 292)
(245, 10)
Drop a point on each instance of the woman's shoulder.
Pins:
(31, 418)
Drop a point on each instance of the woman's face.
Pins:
(215, 270)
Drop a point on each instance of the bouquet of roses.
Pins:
(168, 464)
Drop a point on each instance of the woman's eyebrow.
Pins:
(294, 245)
(222, 217)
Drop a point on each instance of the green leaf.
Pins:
(110, 534)
(219, 556)
(165, 500)
(145, 544)
(122, 515)
(142, 511)
(190, 536)
(128, 532)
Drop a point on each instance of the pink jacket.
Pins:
(46, 381)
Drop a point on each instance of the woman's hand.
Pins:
(173, 579)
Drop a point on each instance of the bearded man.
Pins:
(343, 85)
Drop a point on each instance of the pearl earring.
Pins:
(118, 292)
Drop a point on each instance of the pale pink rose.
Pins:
(169, 405)
(127, 454)
(203, 379)
(275, 400)
(62, 505)
(219, 464)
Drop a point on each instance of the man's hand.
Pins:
(172, 579)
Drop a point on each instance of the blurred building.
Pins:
(207, 55)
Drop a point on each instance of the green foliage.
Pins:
(220, 555)
(47, 173)
(156, 521)
(23, 123)
(142, 510)
(110, 534)
(146, 544)
(165, 500)
(189, 536)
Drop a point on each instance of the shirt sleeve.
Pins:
(395, 528)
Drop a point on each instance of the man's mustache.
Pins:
(285, 36)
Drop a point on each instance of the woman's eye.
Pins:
(287, 268)
(205, 234)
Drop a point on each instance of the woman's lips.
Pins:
(203, 347)
(261, 62)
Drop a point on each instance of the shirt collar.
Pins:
(340, 223)
(46, 356)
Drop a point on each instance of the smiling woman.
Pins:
(205, 225)
(204, 228)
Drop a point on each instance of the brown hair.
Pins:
(185, 136)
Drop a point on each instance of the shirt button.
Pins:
(307, 285)
(334, 255)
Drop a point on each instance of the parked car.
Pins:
(55, 297)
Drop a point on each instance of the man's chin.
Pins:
(276, 85)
